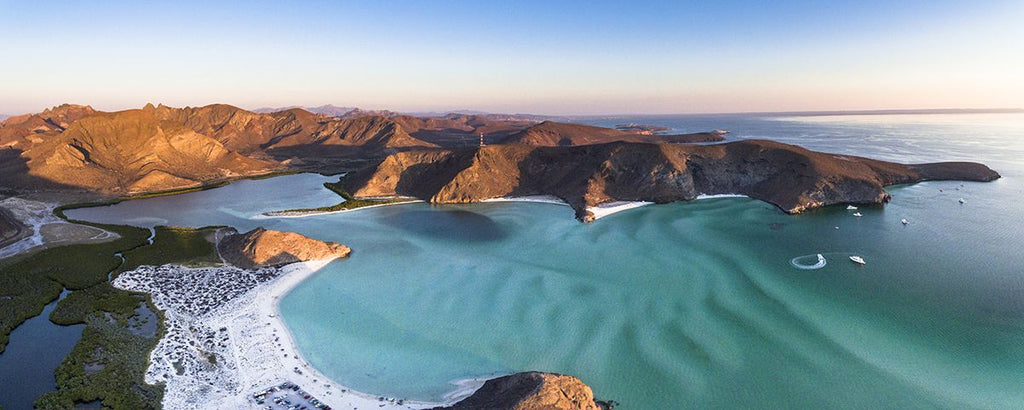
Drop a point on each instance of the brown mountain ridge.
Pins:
(158, 148)
(794, 179)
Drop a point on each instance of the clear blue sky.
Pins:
(580, 57)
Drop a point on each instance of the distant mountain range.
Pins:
(350, 112)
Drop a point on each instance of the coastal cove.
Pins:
(694, 304)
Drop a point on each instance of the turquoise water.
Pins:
(679, 305)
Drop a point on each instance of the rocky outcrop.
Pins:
(557, 134)
(793, 178)
(531, 391)
(261, 247)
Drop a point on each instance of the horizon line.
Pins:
(851, 112)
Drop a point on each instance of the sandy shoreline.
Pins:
(280, 214)
(599, 211)
(225, 339)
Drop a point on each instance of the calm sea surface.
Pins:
(680, 305)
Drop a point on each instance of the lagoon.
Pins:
(679, 305)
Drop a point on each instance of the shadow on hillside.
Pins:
(15, 177)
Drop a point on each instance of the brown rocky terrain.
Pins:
(129, 152)
(793, 178)
(159, 148)
(11, 230)
(261, 247)
(531, 391)
(555, 134)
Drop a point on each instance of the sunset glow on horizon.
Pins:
(519, 57)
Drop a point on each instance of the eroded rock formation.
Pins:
(261, 247)
(793, 178)
(531, 391)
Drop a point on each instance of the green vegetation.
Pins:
(30, 282)
(183, 246)
(109, 339)
(108, 343)
(349, 203)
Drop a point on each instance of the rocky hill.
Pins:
(554, 134)
(118, 153)
(793, 178)
(160, 148)
(261, 247)
(531, 391)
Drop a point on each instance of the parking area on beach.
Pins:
(286, 396)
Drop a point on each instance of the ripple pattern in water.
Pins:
(679, 305)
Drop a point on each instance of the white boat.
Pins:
(961, 200)
(857, 214)
(820, 264)
(904, 221)
(857, 259)
(850, 207)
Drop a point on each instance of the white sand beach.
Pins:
(599, 211)
(304, 214)
(225, 339)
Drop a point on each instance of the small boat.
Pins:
(904, 221)
(857, 214)
(857, 259)
(962, 200)
(850, 207)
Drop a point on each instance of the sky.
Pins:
(542, 57)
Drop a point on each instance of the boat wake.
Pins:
(809, 262)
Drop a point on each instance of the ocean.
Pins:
(684, 305)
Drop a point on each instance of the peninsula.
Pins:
(218, 337)
(790, 177)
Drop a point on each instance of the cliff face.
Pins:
(531, 391)
(793, 178)
(260, 247)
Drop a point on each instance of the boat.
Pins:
(857, 214)
(820, 264)
(857, 259)
(961, 200)
(850, 207)
(904, 221)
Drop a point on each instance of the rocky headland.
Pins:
(532, 391)
(790, 177)
(260, 248)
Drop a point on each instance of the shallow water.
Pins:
(35, 350)
(679, 305)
